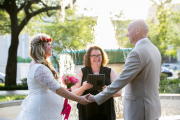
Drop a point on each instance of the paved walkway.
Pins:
(176, 117)
(163, 102)
(14, 92)
(6, 119)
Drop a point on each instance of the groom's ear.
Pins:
(138, 30)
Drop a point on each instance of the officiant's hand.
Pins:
(103, 88)
(84, 99)
(86, 85)
(91, 98)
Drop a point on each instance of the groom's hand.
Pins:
(91, 98)
(84, 99)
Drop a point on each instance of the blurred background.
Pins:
(74, 25)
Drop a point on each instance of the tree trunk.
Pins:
(11, 68)
(56, 63)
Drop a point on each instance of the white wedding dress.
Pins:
(42, 103)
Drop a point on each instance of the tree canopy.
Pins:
(16, 15)
(164, 34)
(76, 32)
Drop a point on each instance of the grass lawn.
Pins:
(4, 98)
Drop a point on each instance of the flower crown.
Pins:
(45, 40)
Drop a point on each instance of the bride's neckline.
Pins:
(33, 62)
(34, 65)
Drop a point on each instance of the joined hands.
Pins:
(91, 98)
(86, 99)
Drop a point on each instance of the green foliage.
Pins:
(22, 86)
(14, 87)
(2, 84)
(153, 32)
(174, 28)
(179, 75)
(121, 31)
(20, 13)
(169, 86)
(161, 38)
(24, 81)
(75, 33)
(116, 56)
(35, 5)
(163, 76)
(169, 82)
(5, 27)
(165, 33)
(4, 98)
(23, 60)
(54, 62)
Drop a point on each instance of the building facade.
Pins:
(23, 51)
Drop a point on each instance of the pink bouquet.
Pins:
(69, 81)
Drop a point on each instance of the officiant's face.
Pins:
(96, 57)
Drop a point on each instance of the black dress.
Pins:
(93, 111)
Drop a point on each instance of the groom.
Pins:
(140, 75)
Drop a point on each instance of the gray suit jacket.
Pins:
(141, 73)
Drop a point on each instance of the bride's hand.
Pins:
(86, 85)
(84, 99)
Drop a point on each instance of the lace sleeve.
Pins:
(46, 78)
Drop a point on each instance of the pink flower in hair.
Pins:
(50, 39)
(44, 38)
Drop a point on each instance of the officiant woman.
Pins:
(95, 61)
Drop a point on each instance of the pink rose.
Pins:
(69, 79)
(44, 38)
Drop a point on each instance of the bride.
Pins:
(44, 101)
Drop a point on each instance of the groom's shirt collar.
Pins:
(139, 41)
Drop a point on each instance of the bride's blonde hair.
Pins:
(37, 52)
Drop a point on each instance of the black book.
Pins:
(97, 80)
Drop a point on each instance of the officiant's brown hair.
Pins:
(87, 61)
